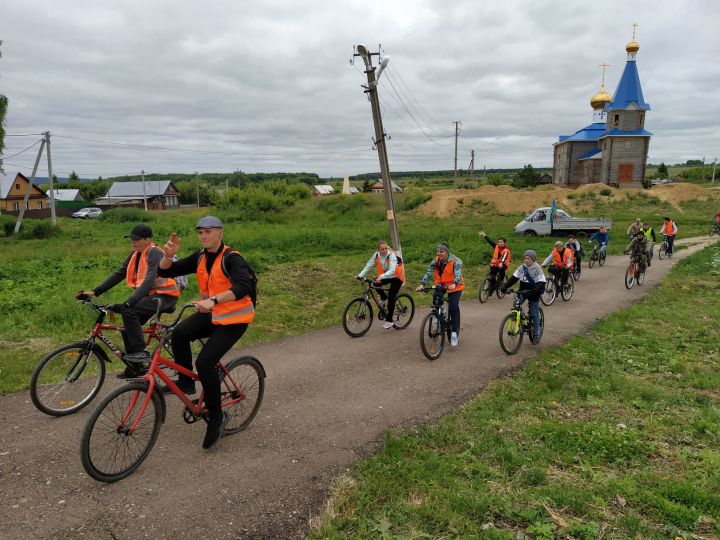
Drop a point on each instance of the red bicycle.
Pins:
(68, 378)
(634, 274)
(124, 427)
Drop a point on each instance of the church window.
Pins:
(642, 117)
(616, 120)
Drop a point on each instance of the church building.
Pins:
(614, 148)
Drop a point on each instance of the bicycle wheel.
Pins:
(357, 317)
(591, 260)
(242, 387)
(498, 292)
(486, 290)
(640, 278)
(601, 259)
(404, 311)
(432, 336)
(630, 276)
(662, 252)
(576, 273)
(548, 297)
(108, 450)
(511, 333)
(68, 378)
(568, 290)
(536, 339)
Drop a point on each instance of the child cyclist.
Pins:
(532, 285)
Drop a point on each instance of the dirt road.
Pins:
(328, 400)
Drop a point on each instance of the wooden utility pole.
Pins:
(45, 141)
(144, 194)
(197, 189)
(714, 166)
(380, 142)
(471, 169)
(457, 132)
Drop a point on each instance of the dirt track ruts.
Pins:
(328, 400)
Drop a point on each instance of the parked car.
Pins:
(87, 213)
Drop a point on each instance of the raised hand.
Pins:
(172, 246)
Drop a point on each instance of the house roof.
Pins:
(634, 133)
(134, 190)
(379, 185)
(589, 133)
(6, 184)
(629, 89)
(324, 189)
(65, 194)
(595, 153)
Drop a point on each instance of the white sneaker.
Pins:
(388, 325)
(453, 339)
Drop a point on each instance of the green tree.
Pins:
(3, 112)
(73, 177)
(662, 171)
(525, 177)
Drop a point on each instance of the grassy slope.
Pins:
(306, 257)
(614, 434)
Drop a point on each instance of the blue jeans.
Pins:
(670, 241)
(602, 248)
(454, 310)
(534, 311)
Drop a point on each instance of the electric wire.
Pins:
(22, 151)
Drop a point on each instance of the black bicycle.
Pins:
(518, 323)
(552, 287)
(358, 313)
(714, 228)
(663, 250)
(491, 284)
(596, 256)
(435, 327)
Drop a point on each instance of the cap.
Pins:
(530, 253)
(140, 232)
(209, 222)
(442, 247)
(637, 219)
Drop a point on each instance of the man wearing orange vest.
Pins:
(501, 257)
(446, 268)
(140, 272)
(669, 230)
(562, 262)
(390, 270)
(226, 307)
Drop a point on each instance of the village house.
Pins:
(12, 193)
(160, 195)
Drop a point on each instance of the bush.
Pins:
(414, 199)
(126, 215)
(8, 225)
(342, 205)
(497, 179)
(606, 192)
(43, 229)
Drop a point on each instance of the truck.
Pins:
(537, 223)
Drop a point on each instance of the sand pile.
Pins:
(508, 200)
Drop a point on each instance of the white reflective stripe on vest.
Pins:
(249, 309)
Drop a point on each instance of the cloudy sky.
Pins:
(267, 86)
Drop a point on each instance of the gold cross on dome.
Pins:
(603, 66)
(635, 25)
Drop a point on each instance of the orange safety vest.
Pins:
(134, 279)
(399, 269)
(216, 282)
(498, 255)
(667, 228)
(448, 275)
(561, 262)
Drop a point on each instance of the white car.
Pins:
(87, 213)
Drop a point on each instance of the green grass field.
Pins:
(306, 256)
(613, 435)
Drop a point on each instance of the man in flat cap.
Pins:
(140, 272)
(225, 309)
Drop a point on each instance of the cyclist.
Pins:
(634, 228)
(140, 272)
(637, 248)
(447, 270)
(501, 257)
(532, 285)
(669, 230)
(602, 237)
(562, 263)
(716, 221)
(577, 250)
(651, 239)
(226, 307)
(390, 270)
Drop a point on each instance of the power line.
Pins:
(506, 145)
(420, 128)
(394, 70)
(24, 134)
(23, 151)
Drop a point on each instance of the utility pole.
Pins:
(380, 142)
(471, 169)
(457, 132)
(45, 141)
(227, 188)
(197, 189)
(144, 194)
(714, 166)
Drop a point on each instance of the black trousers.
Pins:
(561, 273)
(498, 274)
(395, 284)
(220, 339)
(134, 317)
